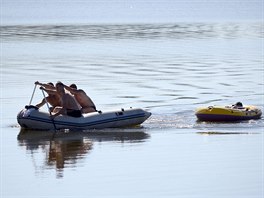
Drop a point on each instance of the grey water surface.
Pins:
(169, 69)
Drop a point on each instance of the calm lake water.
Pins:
(167, 69)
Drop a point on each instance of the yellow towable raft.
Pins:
(235, 112)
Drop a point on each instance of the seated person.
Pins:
(238, 105)
(85, 101)
(52, 99)
(69, 105)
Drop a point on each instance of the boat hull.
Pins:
(32, 118)
(227, 113)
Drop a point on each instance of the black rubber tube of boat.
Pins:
(49, 112)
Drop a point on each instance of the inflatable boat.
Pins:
(32, 118)
(228, 113)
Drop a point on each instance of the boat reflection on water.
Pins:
(68, 149)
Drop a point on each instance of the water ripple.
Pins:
(135, 31)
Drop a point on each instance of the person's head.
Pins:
(51, 84)
(74, 86)
(60, 87)
(239, 104)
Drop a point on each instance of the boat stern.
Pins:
(147, 114)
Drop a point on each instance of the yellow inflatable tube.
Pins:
(228, 113)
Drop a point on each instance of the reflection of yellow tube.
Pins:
(227, 113)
